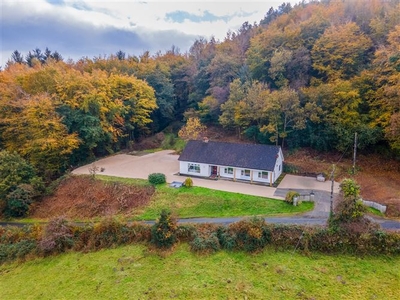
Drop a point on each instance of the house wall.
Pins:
(204, 169)
(237, 174)
(278, 166)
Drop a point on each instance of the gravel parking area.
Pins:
(166, 162)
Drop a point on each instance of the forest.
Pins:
(308, 75)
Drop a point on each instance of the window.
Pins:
(279, 167)
(245, 173)
(228, 170)
(263, 175)
(194, 168)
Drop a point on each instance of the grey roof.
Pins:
(251, 156)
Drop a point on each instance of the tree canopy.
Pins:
(308, 75)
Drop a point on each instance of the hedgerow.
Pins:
(249, 235)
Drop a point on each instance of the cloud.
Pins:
(74, 38)
(77, 28)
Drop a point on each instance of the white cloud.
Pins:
(79, 27)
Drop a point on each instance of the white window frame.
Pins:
(193, 168)
(243, 172)
(228, 170)
(263, 175)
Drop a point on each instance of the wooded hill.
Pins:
(306, 76)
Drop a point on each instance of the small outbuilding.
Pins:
(248, 162)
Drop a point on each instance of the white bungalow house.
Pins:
(249, 162)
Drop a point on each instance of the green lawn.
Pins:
(203, 202)
(134, 272)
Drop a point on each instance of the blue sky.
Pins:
(77, 28)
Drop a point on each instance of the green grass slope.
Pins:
(133, 272)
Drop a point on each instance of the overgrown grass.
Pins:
(131, 181)
(375, 212)
(202, 202)
(134, 272)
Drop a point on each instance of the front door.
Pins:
(214, 170)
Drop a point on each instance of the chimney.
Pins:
(205, 139)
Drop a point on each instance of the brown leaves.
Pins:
(83, 197)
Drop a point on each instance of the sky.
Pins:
(92, 28)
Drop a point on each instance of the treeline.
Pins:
(306, 76)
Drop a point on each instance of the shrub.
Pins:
(188, 182)
(163, 232)
(57, 237)
(290, 196)
(17, 250)
(157, 178)
(251, 235)
(18, 184)
(185, 232)
(18, 242)
(227, 238)
(287, 237)
(350, 188)
(349, 206)
(291, 169)
(205, 239)
(18, 201)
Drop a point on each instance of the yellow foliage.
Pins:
(192, 130)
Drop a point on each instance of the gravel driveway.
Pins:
(130, 166)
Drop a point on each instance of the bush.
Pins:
(18, 201)
(17, 250)
(185, 232)
(287, 237)
(227, 238)
(251, 235)
(57, 237)
(18, 242)
(290, 196)
(291, 169)
(205, 239)
(163, 232)
(188, 182)
(18, 184)
(157, 178)
(349, 206)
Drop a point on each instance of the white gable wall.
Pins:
(278, 166)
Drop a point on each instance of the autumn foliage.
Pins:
(309, 75)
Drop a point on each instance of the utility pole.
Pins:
(354, 153)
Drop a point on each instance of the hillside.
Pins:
(306, 76)
(82, 198)
(134, 272)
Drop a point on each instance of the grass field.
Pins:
(203, 202)
(133, 272)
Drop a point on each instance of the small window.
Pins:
(194, 168)
(279, 167)
(228, 170)
(245, 173)
(263, 175)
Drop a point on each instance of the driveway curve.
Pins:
(166, 162)
(130, 166)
